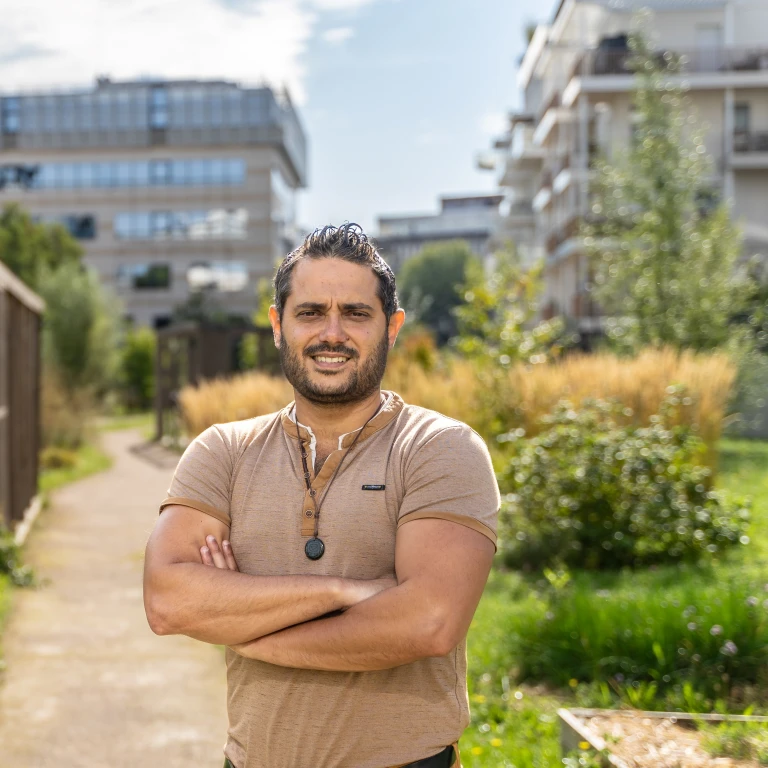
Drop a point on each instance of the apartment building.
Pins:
(577, 96)
(171, 187)
(472, 218)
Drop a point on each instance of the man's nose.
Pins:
(333, 330)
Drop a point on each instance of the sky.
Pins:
(397, 97)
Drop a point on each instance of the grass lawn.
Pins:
(515, 726)
(144, 421)
(89, 459)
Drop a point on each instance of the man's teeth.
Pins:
(323, 359)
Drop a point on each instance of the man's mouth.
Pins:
(330, 361)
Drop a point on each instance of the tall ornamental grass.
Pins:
(497, 401)
(239, 397)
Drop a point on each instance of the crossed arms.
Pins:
(441, 570)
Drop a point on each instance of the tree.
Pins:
(429, 285)
(496, 322)
(79, 329)
(29, 248)
(137, 368)
(663, 250)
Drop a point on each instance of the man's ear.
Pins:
(274, 319)
(395, 324)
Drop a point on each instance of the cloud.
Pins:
(494, 123)
(338, 35)
(340, 5)
(250, 42)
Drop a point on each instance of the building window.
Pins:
(11, 114)
(160, 172)
(225, 276)
(741, 118)
(144, 276)
(158, 107)
(213, 224)
(80, 226)
(142, 173)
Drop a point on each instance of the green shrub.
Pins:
(651, 634)
(10, 562)
(591, 491)
(55, 457)
(137, 369)
(742, 740)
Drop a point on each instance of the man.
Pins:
(339, 547)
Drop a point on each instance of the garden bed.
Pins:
(632, 739)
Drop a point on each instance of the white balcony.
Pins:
(750, 150)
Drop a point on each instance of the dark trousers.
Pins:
(444, 759)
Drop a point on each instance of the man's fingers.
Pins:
(216, 553)
(205, 555)
(229, 555)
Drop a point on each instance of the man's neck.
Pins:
(330, 422)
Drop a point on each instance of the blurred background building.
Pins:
(577, 92)
(172, 187)
(472, 218)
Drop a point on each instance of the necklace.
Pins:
(314, 549)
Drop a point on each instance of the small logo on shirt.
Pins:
(374, 487)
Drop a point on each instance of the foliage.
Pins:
(429, 285)
(64, 413)
(79, 329)
(55, 457)
(742, 740)
(204, 306)
(31, 249)
(665, 263)
(643, 641)
(136, 374)
(496, 320)
(592, 492)
(10, 562)
(89, 459)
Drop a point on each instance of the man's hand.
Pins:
(211, 554)
(442, 569)
(356, 590)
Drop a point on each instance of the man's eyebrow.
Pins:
(321, 306)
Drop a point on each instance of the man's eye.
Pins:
(359, 314)
(308, 313)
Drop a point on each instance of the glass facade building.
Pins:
(172, 187)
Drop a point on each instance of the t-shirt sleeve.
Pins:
(203, 476)
(451, 477)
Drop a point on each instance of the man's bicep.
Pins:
(179, 533)
(449, 562)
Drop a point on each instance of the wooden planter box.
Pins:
(577, 727)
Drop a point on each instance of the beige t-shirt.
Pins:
(409, 463)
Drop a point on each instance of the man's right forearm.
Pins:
(228, 607)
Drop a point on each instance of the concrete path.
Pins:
(88, 685)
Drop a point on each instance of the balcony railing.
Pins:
(750, 141)
(691, 61)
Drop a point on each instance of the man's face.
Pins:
(333, 336)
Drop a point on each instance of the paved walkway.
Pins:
(88, 685)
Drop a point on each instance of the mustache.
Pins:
(339, 349)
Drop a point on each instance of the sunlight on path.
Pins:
(87, 683)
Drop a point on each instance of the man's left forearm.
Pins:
(397, 626)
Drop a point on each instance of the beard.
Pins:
(361, 383)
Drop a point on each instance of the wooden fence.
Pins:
(20, 318)
(193, 352)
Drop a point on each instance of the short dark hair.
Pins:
(347, 242)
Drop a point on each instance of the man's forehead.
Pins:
(328, 279)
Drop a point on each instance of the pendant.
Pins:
(314, 548)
